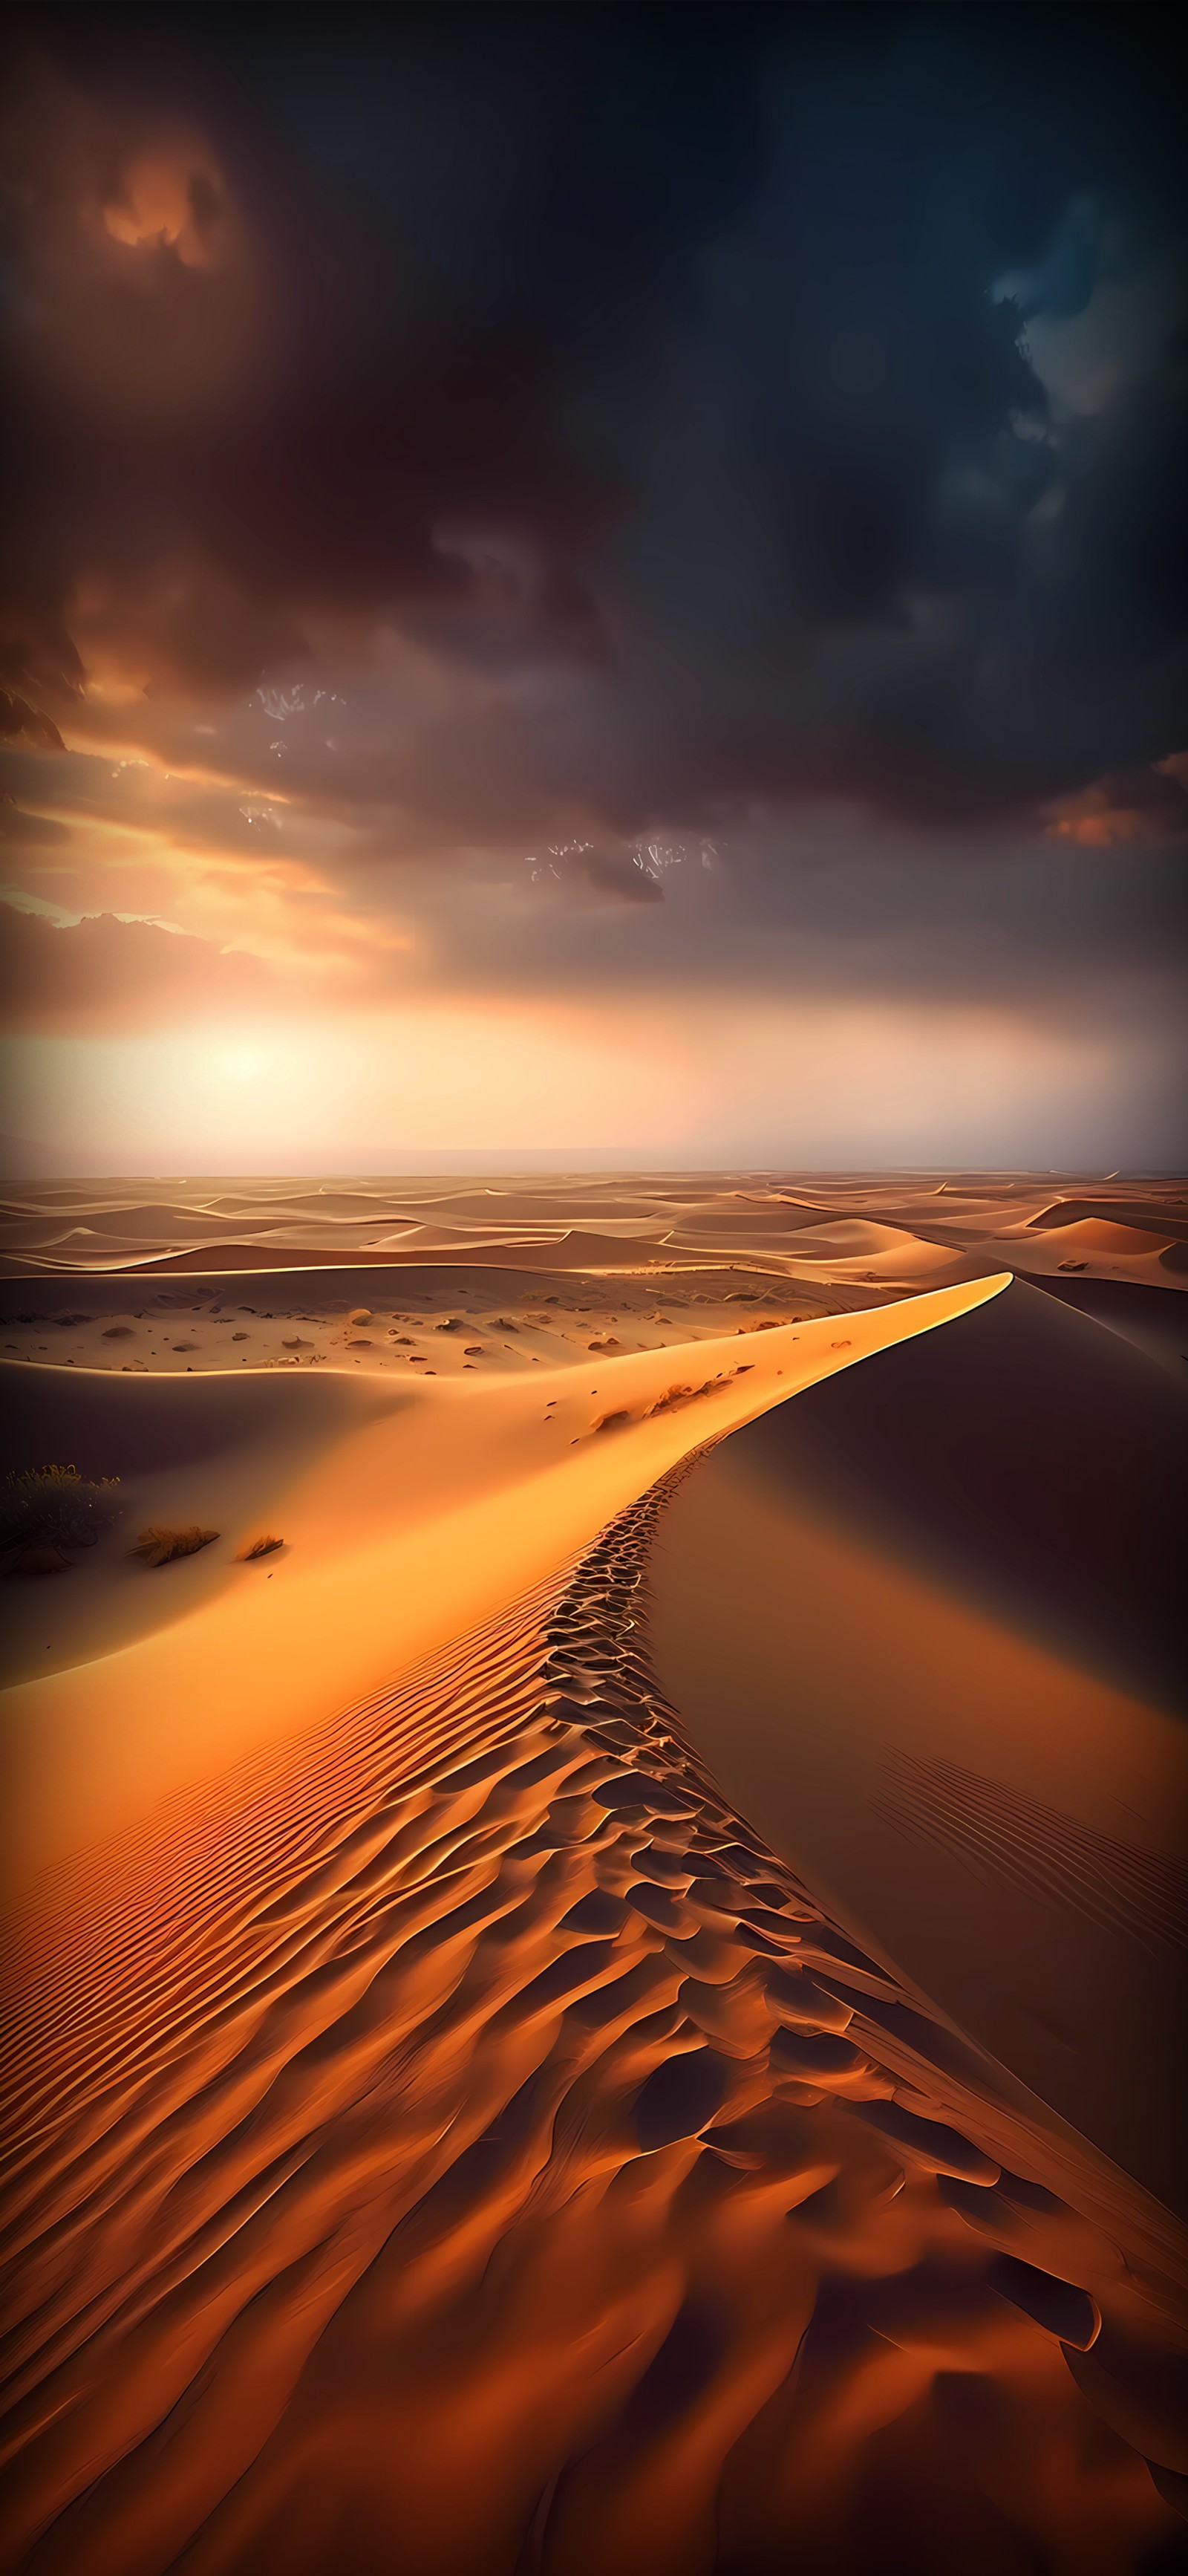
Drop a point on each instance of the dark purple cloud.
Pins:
(675, 343)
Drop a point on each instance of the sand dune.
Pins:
(854, 1248)
(1157, 1326)
(1137, 1211)
(406, 1518)
(1019, 1648)
(447, 2123)
(223, 1454)
(449, 2165)
(1029, 1463)
(472, 1318)
(1092, 1236)
(898, 1228)
(1099, 1234)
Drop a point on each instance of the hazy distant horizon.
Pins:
(588, 1163)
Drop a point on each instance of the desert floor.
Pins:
(614, 2000)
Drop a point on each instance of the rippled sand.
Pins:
(459, 2121)
(470, 2138)
(875, 1229)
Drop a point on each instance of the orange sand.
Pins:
(444, 2131)
(888, 1228)
(408, 1514)
(431, 2154)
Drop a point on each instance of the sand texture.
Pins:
(910, 1229)
(407, 1512)
(610, 2003)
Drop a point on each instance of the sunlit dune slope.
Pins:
(928, 1628)
(413, 1520)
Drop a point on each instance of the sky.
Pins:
(600, 582)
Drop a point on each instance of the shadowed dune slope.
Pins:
(1158, 1326)
(926, 1623)
(1031, 1461)
(129, 1427)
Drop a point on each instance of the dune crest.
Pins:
(410, 1513)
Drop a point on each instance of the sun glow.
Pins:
(830, 1084)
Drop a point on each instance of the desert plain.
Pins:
(610, 2000)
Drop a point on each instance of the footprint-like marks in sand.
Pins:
(462, 2145)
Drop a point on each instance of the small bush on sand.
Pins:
(160, 1546)
(55, 1507)
(257, 1547)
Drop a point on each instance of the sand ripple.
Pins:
(1141, 1894)
(463, 2146)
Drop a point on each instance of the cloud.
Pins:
(105, 974)
(19, 722)
(32, 831)
(719, 402)
(1148, 805)
(578, 437)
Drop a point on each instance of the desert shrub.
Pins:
(160, 1546)
(55, 1507)
(257, 1547)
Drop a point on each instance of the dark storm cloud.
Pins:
(810, 911)
(684, 350)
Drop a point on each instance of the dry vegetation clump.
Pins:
(257, 1547)
(674, 1396)
(678, 1395)
(55, 1507)
(160, 1546)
